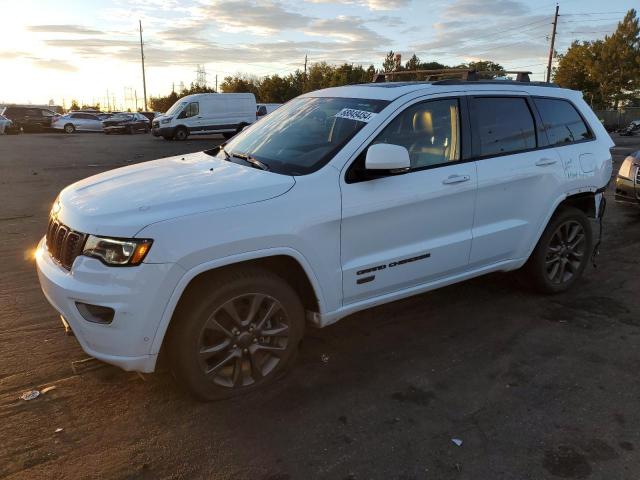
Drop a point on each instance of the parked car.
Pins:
(340, 200)
(206, 113)
(150, 115)
(77, 121)
(631, 129)
(126, 123)
(263, 109)
(7, 126)
(628, 180)
(29, 119)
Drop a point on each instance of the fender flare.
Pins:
(189, 275)
(552, 211)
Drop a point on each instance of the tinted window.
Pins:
(47, 113)
(502, 125)
(191, 110)
(430, 131)
(561, 121)
(33, 113)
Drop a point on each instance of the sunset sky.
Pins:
(67, 49)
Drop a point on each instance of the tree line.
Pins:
(607, 71)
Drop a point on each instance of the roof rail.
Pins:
(465, 74)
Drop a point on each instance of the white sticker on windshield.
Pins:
(357, 115)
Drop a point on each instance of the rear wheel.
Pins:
(69, 128)
(562, 253)
(235, 333)
(181, 134)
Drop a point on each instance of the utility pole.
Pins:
(216, 83)
(304, 84)
(144, 81)
(553, 41)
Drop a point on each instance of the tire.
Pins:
(562, 253)
(181, 134)
(69, 128)
(246, 358)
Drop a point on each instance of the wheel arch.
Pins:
(285, 262)
(583, 200)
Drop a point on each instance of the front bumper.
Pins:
(115, 128)
(627, 191)
(163, 131)
(138, 295)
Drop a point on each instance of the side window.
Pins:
(430, 131)
(262, 110)
(502, 125)
(192, 110)
(33, 113)
(47, 113)
(561, 121)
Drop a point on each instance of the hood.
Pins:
(121, 202)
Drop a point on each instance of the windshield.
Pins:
(303, 135)
(121, 116)
(176, 107)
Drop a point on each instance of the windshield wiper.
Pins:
(254, 162)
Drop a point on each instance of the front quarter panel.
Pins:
(305, 220)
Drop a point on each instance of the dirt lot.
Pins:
(535, 387)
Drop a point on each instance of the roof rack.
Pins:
(465, 74)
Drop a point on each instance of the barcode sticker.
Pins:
(357, 115)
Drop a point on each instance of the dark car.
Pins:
(150, 115)
(30, 119)
(628, 180)
(126, 123)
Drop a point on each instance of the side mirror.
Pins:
(384, 156)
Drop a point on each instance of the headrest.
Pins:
(422, 122)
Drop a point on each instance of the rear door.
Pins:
(403, 230)
(519, 177)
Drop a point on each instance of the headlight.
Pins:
(115, 251)
(166, 120)
(625, 168)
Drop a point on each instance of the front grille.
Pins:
(64, 244)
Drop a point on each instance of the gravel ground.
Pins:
(535, 387)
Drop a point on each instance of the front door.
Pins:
(402, 230)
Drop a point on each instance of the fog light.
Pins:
(95, 313)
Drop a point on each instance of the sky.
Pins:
(89, 50)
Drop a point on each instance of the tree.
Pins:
(606, 71)
(74, 105)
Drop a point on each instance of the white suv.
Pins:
(341, 199)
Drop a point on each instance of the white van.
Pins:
(263, 109)
(205, 113)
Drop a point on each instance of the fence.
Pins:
(614, 119)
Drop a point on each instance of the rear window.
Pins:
(561, 121)
(502, 125)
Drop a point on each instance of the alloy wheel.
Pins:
(566, 252)
(244, 340)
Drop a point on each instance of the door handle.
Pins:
(451, 179)
(543, 162)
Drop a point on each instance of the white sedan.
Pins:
(77, 121)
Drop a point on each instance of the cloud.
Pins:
(74, 29)
(473, 8)
(53, 64)
(258, 17)
(345, 28)
(371, 4)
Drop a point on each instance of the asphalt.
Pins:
(535, 387)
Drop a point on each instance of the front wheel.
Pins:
(562, 253)
(69, 128)
(235, 333)
(181, 134)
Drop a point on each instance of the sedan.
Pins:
(126, 123)
(628, 180)
(81, 122)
